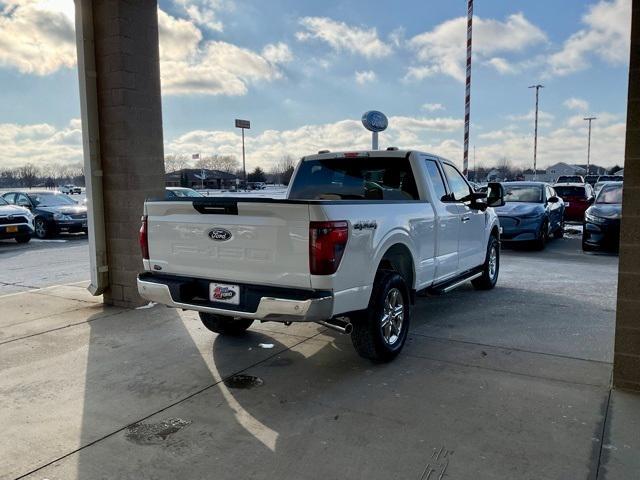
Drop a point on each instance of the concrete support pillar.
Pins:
(129, 118)
(626, 371)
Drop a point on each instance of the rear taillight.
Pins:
(143, 238)
(327, 241)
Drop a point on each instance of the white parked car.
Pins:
(358, 234)
(15, 222)
(70, 189)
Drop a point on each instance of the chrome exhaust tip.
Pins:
(337, 325)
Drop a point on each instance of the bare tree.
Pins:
(28, 175)
(224, 163)
(283, 169)
(173, 162)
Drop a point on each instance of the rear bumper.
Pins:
(256, 302)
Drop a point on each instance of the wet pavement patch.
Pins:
(243, 381)
(155, 433)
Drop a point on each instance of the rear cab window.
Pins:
(571, 191)
(366, 178)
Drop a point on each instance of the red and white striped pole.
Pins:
(467, 97)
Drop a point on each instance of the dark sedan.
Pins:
(601, 230)
(53, 212)
(532, 213)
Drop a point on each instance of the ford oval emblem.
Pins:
(220, 234)
(374, 121)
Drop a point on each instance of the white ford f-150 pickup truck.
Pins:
(358, 234)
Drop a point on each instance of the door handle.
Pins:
(465, 219)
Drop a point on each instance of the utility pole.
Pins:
(589, 119)
(467, 95)
(535, 134)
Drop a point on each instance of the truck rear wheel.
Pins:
(379, 332)
(491, 267)
(225, 325)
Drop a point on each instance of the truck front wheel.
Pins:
(379, 332)
(491, 267)
(225, 325)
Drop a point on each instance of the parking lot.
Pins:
(511, 383)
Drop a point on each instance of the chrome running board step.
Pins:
(455, 283)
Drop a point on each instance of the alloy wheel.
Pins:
(392, 316)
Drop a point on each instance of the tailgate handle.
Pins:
(216, 208)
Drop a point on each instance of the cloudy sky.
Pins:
(304, 71)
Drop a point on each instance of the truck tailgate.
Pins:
(255, 242)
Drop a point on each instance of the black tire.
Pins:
(23, 238)
(587, 248)
(543, 236)
(42, 228)
(490, 273)
(225, 325)
(559, 233)
(368, 337)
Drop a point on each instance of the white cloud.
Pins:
(606, 36)
(40, 144)
(36, 37)
(204, 12)
(545, 119)
(277, 53)
(576, 104)
(267, 147)
(602, 119)
(343, 37)
(501, 65)
(189, 65)
(443, 49)
(365, 77)
(564, 144)
(433, 107)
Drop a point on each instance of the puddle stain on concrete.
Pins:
(243, 381)
(155, 433)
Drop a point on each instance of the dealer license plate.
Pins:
(225, 293)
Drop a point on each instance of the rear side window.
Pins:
(355, 179)
(436, 179)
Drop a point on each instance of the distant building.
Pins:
(540, 176)
(594, 169)
(561, 168)
(192, 178)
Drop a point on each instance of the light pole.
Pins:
(467, 91)
(589, 119)
(242, 124)
(535, 134)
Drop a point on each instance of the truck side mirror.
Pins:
(495, 195)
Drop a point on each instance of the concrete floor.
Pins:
(507, 384)
(42, 263)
